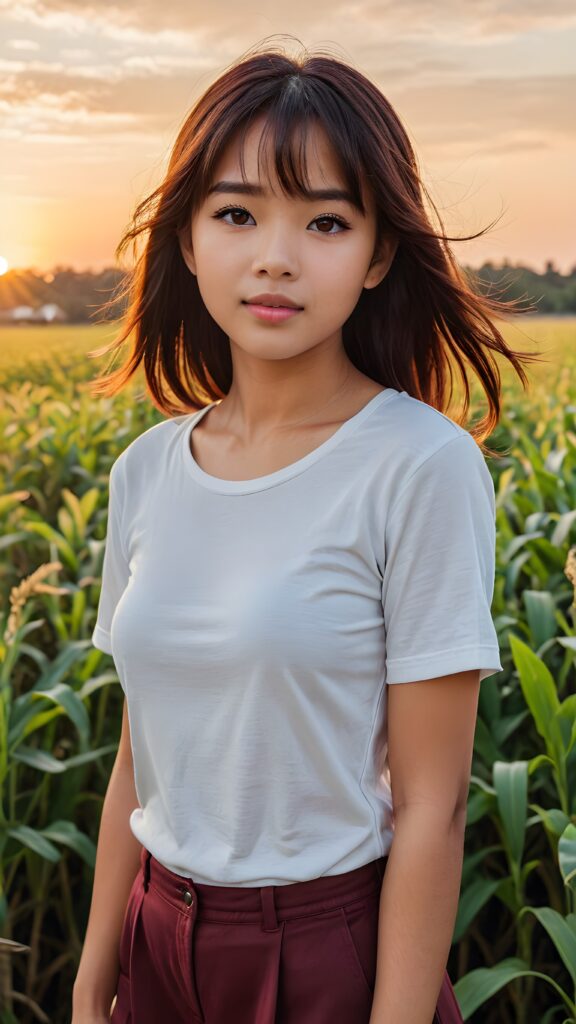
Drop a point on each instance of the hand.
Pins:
(88, 1009)
(89, 1015)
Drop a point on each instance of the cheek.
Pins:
(216, 267)
(341, 264)
(218, 281)
(212, 252)
(338, 281)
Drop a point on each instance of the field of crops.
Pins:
(514, 946)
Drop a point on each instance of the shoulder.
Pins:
(420, 427)
(147, 452)
(417, 431)
(417, 444)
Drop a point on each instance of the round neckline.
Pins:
(260, 483)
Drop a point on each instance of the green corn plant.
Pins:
(506, 802)
(37, 824)
(59, 697)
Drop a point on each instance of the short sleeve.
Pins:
(439, 568)
(115, 570)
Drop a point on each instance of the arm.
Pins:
(117, 862)
(431, 728)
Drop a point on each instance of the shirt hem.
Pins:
(101, 640)
(484, 657)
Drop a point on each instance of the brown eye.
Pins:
(239, 213)
(232, 210)
(330, 219)
(325, 220)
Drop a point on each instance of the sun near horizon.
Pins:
(3, 265)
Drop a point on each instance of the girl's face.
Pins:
(316, 252)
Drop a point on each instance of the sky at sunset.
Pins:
(92, 96)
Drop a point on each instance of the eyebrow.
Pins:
(249, 189)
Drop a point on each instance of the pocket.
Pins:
(126, 934)
(360, 923)
(186, 931)
(122, 1012)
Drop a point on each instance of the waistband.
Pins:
(270, 903)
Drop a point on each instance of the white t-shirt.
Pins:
(254, 625)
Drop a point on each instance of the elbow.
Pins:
(434, 818)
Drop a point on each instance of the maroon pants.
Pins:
(302, 953)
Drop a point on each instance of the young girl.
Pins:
(283, 831)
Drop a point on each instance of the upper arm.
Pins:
(124, 755)
(439, 568)
(115, 568)
(431, 725)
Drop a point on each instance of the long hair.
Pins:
(408, 332)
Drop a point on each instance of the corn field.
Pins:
(513, 957)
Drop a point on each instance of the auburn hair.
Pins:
(408, 332)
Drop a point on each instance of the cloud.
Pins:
(173, 25)
(22, 44)
(495, 111)
(138, 68)
(39, 97)
(74, 53)
(439, 100)
(177, 16)
(485, 18)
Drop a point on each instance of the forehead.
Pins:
(253, 150)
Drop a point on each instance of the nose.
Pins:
(275, 252)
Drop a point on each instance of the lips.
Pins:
(272, 314)
(272, 300)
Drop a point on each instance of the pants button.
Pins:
(188, 897)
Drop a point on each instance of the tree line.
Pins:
(81, 294)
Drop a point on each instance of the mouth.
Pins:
(271, 314)
(269, 305)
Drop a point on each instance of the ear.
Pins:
(381, 262)
(185, 242)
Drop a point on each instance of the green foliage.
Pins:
(518, 895)
(514, 944)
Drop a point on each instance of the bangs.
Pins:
(286, 144)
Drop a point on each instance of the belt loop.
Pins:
(268, 909)
(147, 859)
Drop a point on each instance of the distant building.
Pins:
(21, 313)
(47, 313)
(50, 312)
